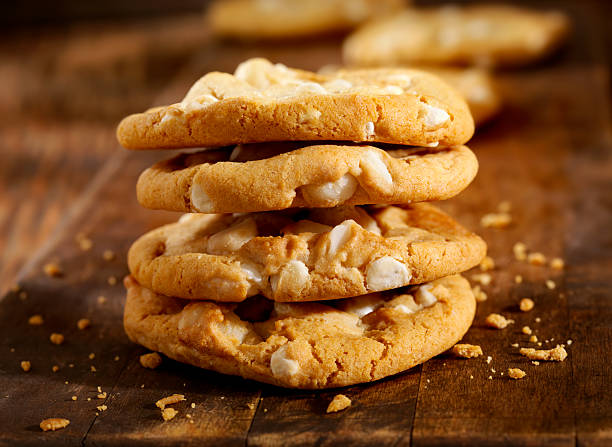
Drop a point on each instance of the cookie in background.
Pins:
(278, 19)
(482, 35)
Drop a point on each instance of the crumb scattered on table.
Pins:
(557, 264)
(496, 220)
(54, 424)
(52, 269)
(26, 365)
(518, 279)
(168, 413)
(533, 339)
(550, 284)
(520, 251)
(557, 354)
(466, 350)
(83, 323)
(169, 400)
(536, 258)
(526, 304)
(487, 264)
(55, 368)
(108, 255)
(112, 280)
(482, 278)
(36, 320)
(479, 294)
(497, 321)
(516, 373)
(151, 360)
(339, 402)
(56, 339)
(526, 330)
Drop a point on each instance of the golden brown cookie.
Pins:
(303, 254)
(305, 345)
(277, 19)
(487, 35)
(263, 102)
(264, 177)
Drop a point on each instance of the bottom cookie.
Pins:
(305, 345)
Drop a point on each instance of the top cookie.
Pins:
(483, 35)
(263, 102)
(273, 19)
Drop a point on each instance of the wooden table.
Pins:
(549, 154)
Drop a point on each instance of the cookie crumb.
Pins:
(52, 269)
(101, 299)
(487, 264)
(151, 360)
(83, 323)
(497, 321)
(526, 304)
(535, 362)
(479, 294)
(536, 258)
(538, 319)
(569, 342)
(557, 264)
(91, 356)
(26, 365)
(112, 280)
(471, 377)
(168, 413)
(339, 402)
(56, 339)
(515, 345)
(496, 220)
(518, 279)
(557, 354)
(53, 424)
(251, 406)
(490, 377)
(193, 405)
(85, 244)
(550, 284)
(466, 350)
(93, 369)
(526, 330)
(55, 368)
(116, 359)
(516, 373)
(108, 255)
(74, 398)
(520, 251)
(102, 408)
(533, 339)
(169, 400)
(482, 278)
(36, 320)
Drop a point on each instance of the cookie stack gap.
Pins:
(306, 258)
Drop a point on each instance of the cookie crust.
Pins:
(263, 102)
(305, 345)
(303, 255)
(314, 176)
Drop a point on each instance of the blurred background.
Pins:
(70, 70)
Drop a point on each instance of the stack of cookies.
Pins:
(307, 258)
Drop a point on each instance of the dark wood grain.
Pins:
(549, 154)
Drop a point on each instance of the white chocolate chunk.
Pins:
(433, 116)
(338, 85)
(393, 90)
(332, 193)
(251, 272)
(281, 365)
(292, 278)
(339, 235)
(369, 129)
(386, 273)
(310, 88)
(200, 200)
(235, 152)
(404, 303)
(424, 297)
(362, 305)
(374, 167)
(309, 116)
(234, 329)
(231, 239)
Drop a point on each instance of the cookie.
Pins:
(488, 35)
(263, 102)
(305, 345)
(303, 254)
(264, 177)
(276, 19)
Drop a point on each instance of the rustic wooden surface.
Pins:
(549, 154)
